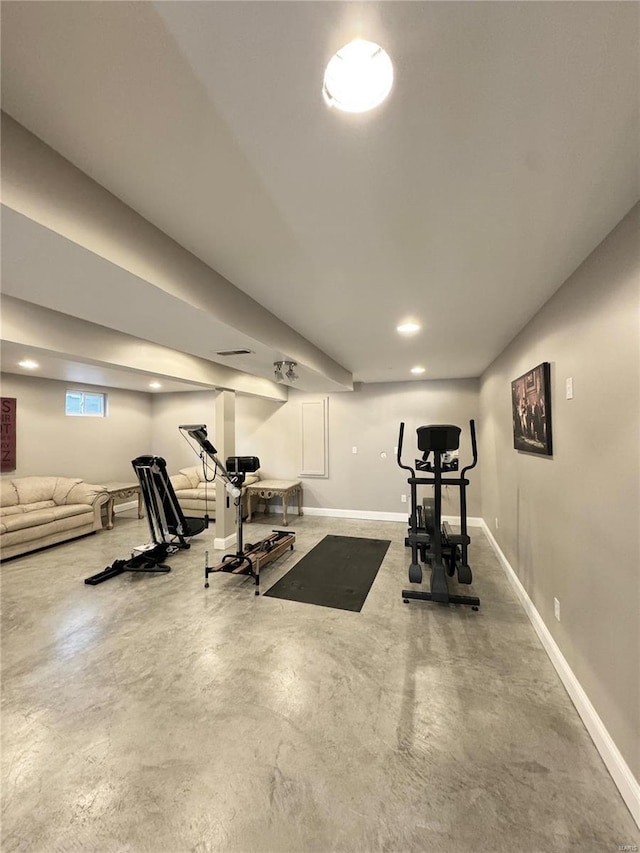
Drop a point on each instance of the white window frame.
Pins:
(84, 394)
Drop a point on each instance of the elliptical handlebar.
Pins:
(399, 454)
(474, 448)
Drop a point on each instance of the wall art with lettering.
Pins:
(7, 433)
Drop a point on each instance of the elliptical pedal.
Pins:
(464, 574)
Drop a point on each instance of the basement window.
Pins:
(85, 404)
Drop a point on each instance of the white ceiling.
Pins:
(506, 152)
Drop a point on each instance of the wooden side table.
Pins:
(267, 489)
(121, 490)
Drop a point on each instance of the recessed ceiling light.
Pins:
(418, 369)
(358, 77)
(28, 363)
(155, 385)
(408, 328)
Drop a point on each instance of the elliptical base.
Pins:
(421, 595)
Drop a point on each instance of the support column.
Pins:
(225, 444)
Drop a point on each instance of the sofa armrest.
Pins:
(87, 493)
(180, 481)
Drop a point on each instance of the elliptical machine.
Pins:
(445, 551)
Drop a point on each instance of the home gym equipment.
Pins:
(248, 559)
(167, 522)
(168, 525)
(445, 551)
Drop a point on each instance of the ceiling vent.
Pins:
(235, 352)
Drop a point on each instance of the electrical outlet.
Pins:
(354, 449)
(556, 609)
(403, 498)
(497, 525)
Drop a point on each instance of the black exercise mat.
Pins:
(338, 573)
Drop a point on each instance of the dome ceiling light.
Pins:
(358, 77)
(408, 328)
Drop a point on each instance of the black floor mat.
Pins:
(338, 573)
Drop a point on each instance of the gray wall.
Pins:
(170, 410)
(369, 419)
(569, 524)
(96, 449)
(199, 407)
(101, 449)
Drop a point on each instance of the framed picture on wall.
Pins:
(531, 410)
(8, 433)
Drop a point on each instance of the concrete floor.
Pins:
(150, 714)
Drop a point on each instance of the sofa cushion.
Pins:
(8, 493)
(198, 494)
(69, 510)
(27, 519)
(33, 489)
(193, 475)
(86, 493)
(190, 505)
(10, 510)
(38, 505)
(79, 524)
(63, 487)
(44, 515)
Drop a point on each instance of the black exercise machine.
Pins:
(248, 559)
(445, 551)
(168, 525)
(167, 521)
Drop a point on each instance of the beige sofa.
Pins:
(189, 486)
(40, 511)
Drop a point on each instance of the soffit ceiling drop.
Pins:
(504, 154)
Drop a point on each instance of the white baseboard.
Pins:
(368, 515)
(621, 774)
(222, 543)
(471, 522)
(372, 515)
(364, 514)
